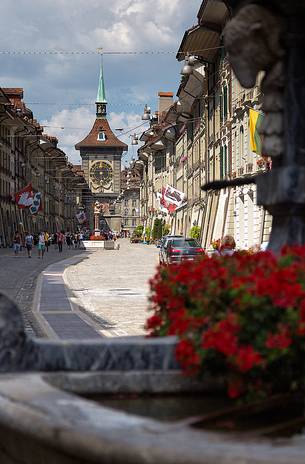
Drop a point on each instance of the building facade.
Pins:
(130, 198)
(29, 156)
(209, 122)
(101, 152)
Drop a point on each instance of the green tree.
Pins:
(166, 229)
(147, 233)
(160, 228)
(155, 229)
(195, 232)
(138, 232)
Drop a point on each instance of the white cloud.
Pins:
(70, 126)
(86, 25)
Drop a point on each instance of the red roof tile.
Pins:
(101, 125)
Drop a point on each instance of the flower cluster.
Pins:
(97, 237)
(240, 317)
(216, 244)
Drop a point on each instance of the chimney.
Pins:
(165, 101)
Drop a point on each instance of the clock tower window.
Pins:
(101, 136)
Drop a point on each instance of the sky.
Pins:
(61, 88)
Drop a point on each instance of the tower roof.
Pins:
(101, 94)
(101, 135)
(92, 139)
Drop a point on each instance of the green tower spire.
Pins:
(101, 101)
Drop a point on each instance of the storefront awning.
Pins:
(204, 39)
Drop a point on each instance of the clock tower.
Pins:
(101, 152)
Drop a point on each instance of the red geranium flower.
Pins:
(153, 322)
(280, 340)
(247, 358)
(187, 355)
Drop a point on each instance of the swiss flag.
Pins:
(24, 198)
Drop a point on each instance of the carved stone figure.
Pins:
(253, 42)
(97, 207)
(271, 38)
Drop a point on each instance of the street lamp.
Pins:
(134, 140)
(146, 114)
(188, 65)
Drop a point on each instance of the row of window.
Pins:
(133, 202)
(132, 222)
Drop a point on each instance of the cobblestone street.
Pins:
(112, 286)
(81, 294)
(18, 277)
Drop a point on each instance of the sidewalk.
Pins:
(18, 277)
(54, 308)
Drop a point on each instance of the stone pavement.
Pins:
(54, 309)
(81, 294)
(18, 276)
(112, 287)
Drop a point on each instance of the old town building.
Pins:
(29, 156)
(209, 123)
(101, 152)
(130, 198)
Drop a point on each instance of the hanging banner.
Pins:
(173, 196)
(24, 198)
(162, 203)
(81, 217)
(36, 204)
(255, 121)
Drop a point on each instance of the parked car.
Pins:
(163, 245)
(182, 249)
(135, 239)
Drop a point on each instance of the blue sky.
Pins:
(61, 89)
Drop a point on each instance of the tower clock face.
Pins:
(101, 175)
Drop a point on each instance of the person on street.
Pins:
(54, 240)
(47, 240)
(29, 240)
(35, 239)
(227, 247)
(60, 239)
(68, 240)
(17, 242)
(41, 245)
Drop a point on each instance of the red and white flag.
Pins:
(24, 198)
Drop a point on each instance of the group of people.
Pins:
(227, 247)
(44, 240)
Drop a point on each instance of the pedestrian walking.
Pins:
(68, 240)
(54, 240)
(47, 240)
(35, 239)
(41, 245)
(17, 242)
(29, 240)
(60, 239)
